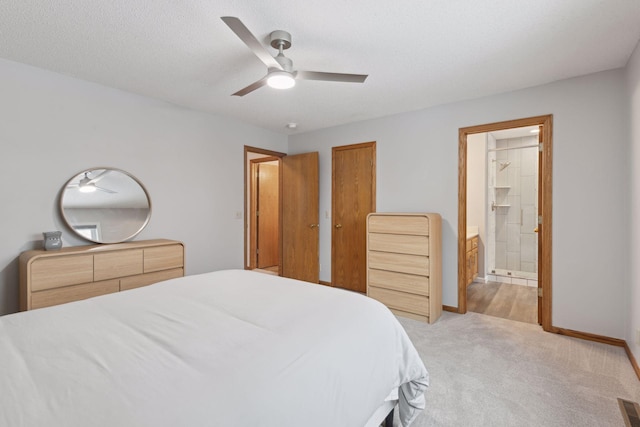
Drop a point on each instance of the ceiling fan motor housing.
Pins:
(280, 38)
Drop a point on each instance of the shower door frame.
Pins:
(498, 198)
(544, 210)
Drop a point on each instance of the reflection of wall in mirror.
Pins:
(89, 231)
(113, 223)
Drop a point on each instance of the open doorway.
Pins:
(502, 223)
(504, 219)
(295, 212)
(262, 209)
(264, 218)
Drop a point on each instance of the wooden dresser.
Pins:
(404, 263)
(70, 274)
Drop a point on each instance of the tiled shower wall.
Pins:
(516, 243)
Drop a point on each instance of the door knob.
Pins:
(338, 225)
(535, 230)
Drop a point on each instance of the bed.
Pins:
(227, 348)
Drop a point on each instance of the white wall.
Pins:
(633, 299)
(418, 171)
(52, 127)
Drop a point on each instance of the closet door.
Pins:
(353, 198)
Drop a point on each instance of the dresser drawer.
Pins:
(410, 283)
(149, 278)
(399, 243)
(163, 258)
(402, 263)
(117, 264)
(53, 272)
(417, 304)
(66, 294)
(418, 225)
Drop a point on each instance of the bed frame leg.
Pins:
(388, 422)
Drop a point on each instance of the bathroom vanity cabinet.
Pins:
(472, 259)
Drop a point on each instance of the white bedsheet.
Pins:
(228, 348)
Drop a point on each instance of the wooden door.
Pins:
(353, 198)
(267, 215)
(300, 217)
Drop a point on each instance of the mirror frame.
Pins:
(100, 241)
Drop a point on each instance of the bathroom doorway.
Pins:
(502, 210)
(504, 251)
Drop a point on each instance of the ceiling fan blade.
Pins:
(331, 77)
(251, 87)
(106, 190)
(249, 39)
(99, 176)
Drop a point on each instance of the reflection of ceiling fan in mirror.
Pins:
(88, 184)
(280, 72)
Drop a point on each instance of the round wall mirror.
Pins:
(105, 205)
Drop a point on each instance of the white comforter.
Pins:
(229, 348)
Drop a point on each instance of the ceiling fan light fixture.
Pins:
(87, 188)
(281, 80)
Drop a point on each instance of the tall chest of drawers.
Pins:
(404, 263)
(70, 274)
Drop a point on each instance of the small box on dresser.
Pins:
(49, 278)
(404, 263)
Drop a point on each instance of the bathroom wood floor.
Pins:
(514, 302)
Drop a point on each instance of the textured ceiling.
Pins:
(418, 53)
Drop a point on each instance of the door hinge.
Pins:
(257, 213)
(539, 219)
(257, 251)
(539, 292)
(540, 147)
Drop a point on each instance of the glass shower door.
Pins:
(512, 166)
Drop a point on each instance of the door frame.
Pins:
(545, 226)
(374, 173)
(247, 194)
(253, 196)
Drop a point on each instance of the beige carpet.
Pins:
(487, 371)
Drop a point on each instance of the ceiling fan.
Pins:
(280, 72)
(88, 185)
